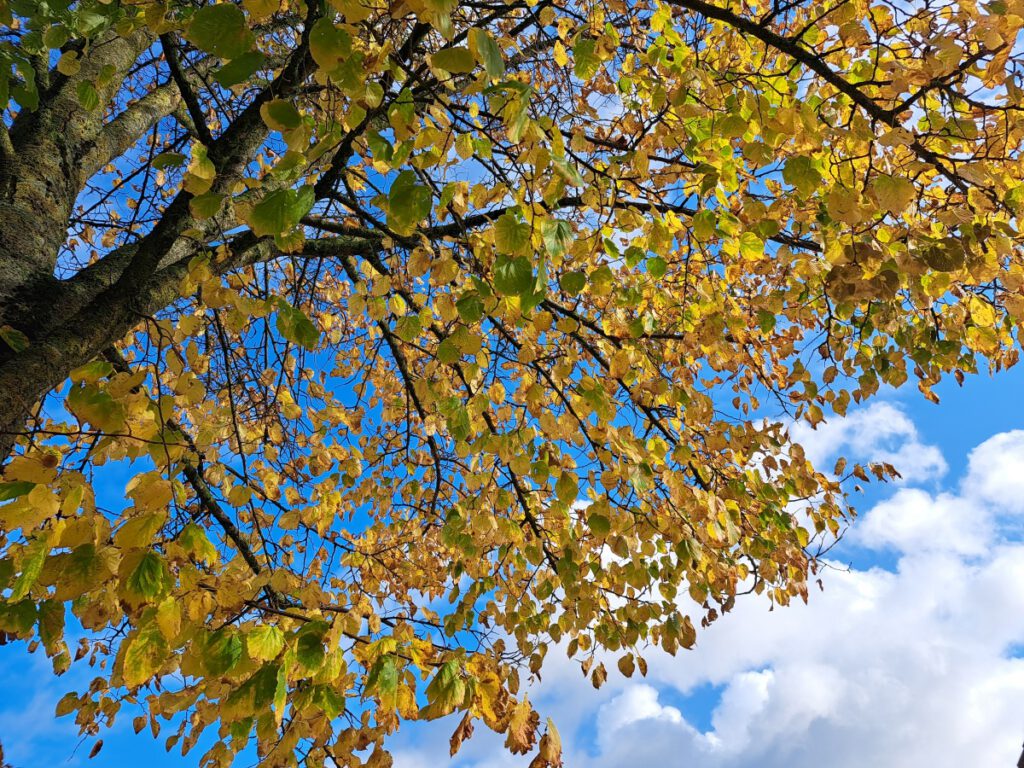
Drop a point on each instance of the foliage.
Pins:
(433, 336)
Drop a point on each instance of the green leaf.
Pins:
(446, 691)
(220, 30)
(585, 61)
(567, 487)
(448, 352)
(222, 650)
(13, 490)
(599, 525)
(81, 570)
(14, 338)
(408, 328)
(325, 699)
(149, 580)
(705, 224)
(240, 69)
(751, 246)
(31, 566)
(309, 646)
(294, 326)
(456, 60)
(142, 654)
(280, 115)
(657, 267)
(470, 308)
(457, 419)
(329, 45)
(93, 405)
(206, 206)
(382, 680)
(557, 235)
(195, 542)
(511, 236)
(513, 277)
(800, 172)
(408, 203)
(573, 282)
(487, 52)
(264, 643)
(254, 695)
(87, 96)
(169, 160)
(568, 171)
(281, 211)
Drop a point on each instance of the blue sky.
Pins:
(912, 654)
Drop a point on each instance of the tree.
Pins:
(434, 335)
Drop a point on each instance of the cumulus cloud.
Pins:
(878, 432)
(996, 471)
(915, 663)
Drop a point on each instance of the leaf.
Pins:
(751, 246)
(408, 203)
(599, 525)
(329, 45)
(148, 578)
(168, 618)
(220, 30)
(95, 406)
(800, 172)
(522, 728)
(280, 115)
(456, 60)
(585, 60)
(240, 69)
(511, 236)
(255, 695)
(281, 211)
(31, 566)
(470, 308)
(557, 235)
(264, 642)
(487, 52)
(457, 420)
(260, 10)
(143, 653)
(221, 651)
(194, 541)
(382, 681)
(513, 277)
(627, 665)
(87, 96)
(309, 647)
(446, 692)
(139, 531)
(567, 487)
(657, 267)
(168, 160)
(13, 490)
(408, 328)
(573, 282)
(295, 327)
(894, 193)
(206, 206)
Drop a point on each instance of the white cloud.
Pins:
(879, 432)
(915, 663)
(911, 664)
(996, 471)
(913, 520)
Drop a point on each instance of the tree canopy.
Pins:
(426, 338)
